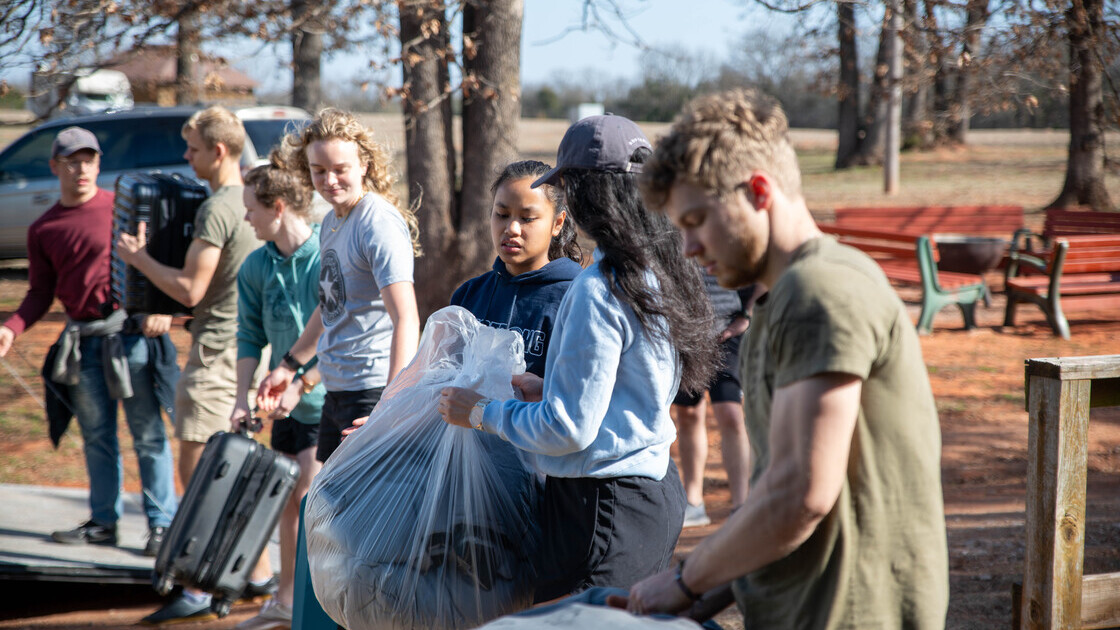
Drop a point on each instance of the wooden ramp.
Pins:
(28, 515)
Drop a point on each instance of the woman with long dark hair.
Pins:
(631, 329)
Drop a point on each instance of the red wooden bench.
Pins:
(1076, 272)
(994, 220)
(1083, 221)
(912, 259)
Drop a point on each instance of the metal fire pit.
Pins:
(969, 254)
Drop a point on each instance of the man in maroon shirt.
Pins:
(68, 251)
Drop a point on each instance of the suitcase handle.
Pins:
(252, 424)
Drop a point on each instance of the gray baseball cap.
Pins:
(73, 139)
(598, 143)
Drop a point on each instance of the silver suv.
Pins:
(140, 139)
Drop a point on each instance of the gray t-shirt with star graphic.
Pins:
(368, 250)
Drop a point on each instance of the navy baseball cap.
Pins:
(73, 139)
(598, 143)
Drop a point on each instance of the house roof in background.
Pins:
(156, 64)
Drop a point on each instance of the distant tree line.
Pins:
(669, 78)
(803, 80)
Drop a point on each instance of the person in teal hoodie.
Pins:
(278, 290)
(538, 257)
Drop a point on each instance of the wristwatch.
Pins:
(476, 413)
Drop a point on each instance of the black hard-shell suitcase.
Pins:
(168, 203)
(225, 519)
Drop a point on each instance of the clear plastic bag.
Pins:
(416, 523)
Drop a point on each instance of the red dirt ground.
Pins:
(977, 379)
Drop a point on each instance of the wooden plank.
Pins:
(1100, 600)
(1062, 222)
(988, 220)
(1103, 240)
(1098, 291)
(1057, 435)
(1041, 281)
(993, 210)
(867, 233)
(1093, 265)
(1075, 368)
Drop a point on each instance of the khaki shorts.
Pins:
(206, 392)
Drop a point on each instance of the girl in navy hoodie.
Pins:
(537, 259)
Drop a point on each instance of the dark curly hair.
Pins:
(634, 243)
(563, 244)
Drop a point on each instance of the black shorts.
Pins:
(340, 409)
(606, 532)
(291, 437)
(726, 387)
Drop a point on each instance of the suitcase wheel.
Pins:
(164, 584)
(221, 607)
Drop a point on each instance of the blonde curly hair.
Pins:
(336, 124)
(719, 139)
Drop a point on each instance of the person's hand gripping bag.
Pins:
(416, 523)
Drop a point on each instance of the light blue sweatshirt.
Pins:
(272, 292)
(607, 389)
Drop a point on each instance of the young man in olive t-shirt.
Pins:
(844, 525)
(207, 282)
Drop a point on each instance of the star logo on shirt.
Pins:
(332, 288)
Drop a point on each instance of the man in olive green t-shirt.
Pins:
(207, 282)
(844, 525)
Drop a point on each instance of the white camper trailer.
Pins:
(91, 92)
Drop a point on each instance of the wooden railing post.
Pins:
(1060, 393)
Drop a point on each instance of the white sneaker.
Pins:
(273, 616)
(695, 515)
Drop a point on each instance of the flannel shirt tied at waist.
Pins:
(67, 367)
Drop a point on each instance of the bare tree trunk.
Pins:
(892, 129)
(429, 153)
(937, 56)
(915, 116)
(875, 120)
(977, 18)
(848, 87)
(1084, 182)
(307, 53)
(455, 221)
(491, 112)
(187, 84)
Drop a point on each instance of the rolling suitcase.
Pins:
(230, 507)
(168, 203)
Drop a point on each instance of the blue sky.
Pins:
(710, 26)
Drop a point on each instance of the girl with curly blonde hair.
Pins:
(366, 328)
